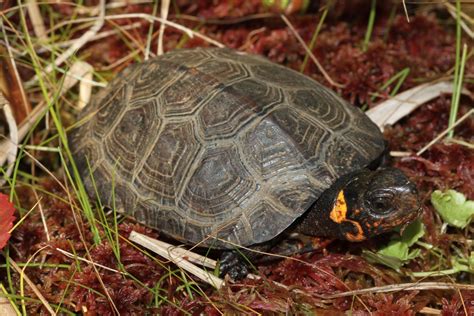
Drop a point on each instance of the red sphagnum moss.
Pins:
(425, 46)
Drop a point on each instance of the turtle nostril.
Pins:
(412, 188)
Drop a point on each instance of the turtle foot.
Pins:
(234, 265)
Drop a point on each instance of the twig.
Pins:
(446, 131)
(461, 142)
(177, 258)
(310, 53)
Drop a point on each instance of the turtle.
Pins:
(219, 148)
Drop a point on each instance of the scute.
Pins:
(167, 164)
(211, 143)
(126, 144)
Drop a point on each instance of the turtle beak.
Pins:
(402, 229)
(416, 214)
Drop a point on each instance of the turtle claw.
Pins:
(233, 265)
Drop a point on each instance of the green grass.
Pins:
(458, 71)
(370, 25)
(314, 38)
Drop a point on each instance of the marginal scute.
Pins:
(210, 142)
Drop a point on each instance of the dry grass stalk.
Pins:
(9, 147)
(177, 257)
(36, 20)
(452, 10)
(80, 42)
(31, 285)
(75, 257)
(419, 286)
(80, 72)
(98, 36)
(309, 52)
(446, 131)
(165, 7)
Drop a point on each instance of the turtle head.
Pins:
(374, 202)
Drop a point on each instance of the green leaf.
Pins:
(399, 247)
(453, 207)
(397, 252)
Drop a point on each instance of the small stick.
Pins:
(176, 256)
(180, 253)
(437, 138)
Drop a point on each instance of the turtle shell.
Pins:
(217, 147)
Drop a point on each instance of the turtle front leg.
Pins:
(233, 263)
(238, 263)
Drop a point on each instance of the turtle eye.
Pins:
(381, 202)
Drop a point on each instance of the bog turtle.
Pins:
(220, 148)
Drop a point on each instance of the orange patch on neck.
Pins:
(360, 233)
(339, 211)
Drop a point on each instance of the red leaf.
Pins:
(6, 219)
